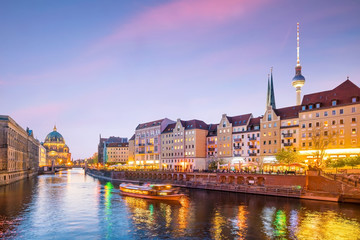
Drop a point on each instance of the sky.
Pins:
(103, 67)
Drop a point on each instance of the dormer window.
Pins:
(318, 105)
(353, 99)
(224, 124)
(310, 106)
(269, 117)
(303, 108)
(333, 103)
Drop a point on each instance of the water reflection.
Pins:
(73, 205)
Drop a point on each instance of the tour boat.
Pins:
(151, 191)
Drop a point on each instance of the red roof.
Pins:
(288, 112)
(194, 124)
(255, 121)
(239, 120)
(342, 93)
(212, 130)
(169, 128)
(149, 124)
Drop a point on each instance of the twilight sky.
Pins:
(96, 67)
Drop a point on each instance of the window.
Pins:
(264, 125)
(333, 112)
(269, 117)
(303, 144)
(326, 123)
(333, 122)
(341, 131)
(333, 103)
(275, 124)
(341, 121)
(325, 133)
(303, 135)
(318, 105)
(353, 109)
(325, 113)
(269, 125)
(310, 144)
(303, 125)
(264, 142)
(303, 108)
(353, 141)
(341, 111)
(317, 114)
(269, 142)
(317, 124)
(353, 99)
(310, 125)
(310, 134)
(353, 120)
(353, 131)
(310, 106)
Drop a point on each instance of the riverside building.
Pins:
(19, 151)
(183, 145)
(117, 153)
(57, 151)
(103, 142)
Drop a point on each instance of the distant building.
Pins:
(56, 149)
(117, 153)
(19, 151)
(131, 158)
(102, 146)
(42, 157)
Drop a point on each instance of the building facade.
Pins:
(183, 146)
(148, 143)
(42, 157)
(117, 153)
(19, 151)
(131, 149)
(57, 151)
(103, 143)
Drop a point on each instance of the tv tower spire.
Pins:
(299, 80)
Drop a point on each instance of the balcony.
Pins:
(252, 146)
(252, 138)
(211, 149)
(288, 144)
(141, 144)
(252, 154)
(237, 147)
(211, 142)
(149, 143)
(287, 135)
(141, 152)
(237, 155)
(149, 151)
(237, 140)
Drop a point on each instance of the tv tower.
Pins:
(299, 80)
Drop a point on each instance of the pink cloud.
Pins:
(180, 14)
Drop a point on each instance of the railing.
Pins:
(141, 152)
(237, 147)
(211, 149)
(141, 144)
(237, 139)
(287, 135)
(149, 151)
(252, 154)
(211, 142)
(252, 138)
(149, 143)
(287, 144)
(237, 155)
(252, 146)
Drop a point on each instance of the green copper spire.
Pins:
(270, 98)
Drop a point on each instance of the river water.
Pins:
(72, 205)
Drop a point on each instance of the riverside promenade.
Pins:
(314, 185)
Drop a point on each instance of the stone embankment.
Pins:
(311, 186)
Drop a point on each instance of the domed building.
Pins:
(56, 149)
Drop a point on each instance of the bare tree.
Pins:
(321, 138)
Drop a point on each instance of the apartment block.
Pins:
(117, 153)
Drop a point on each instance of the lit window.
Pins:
(326, 123)
(341, 121)
(353, 141)
(289, 123)
(341, 131)
(269, 134)
(353, 120)
(353, 131)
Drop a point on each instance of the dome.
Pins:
(54, 137)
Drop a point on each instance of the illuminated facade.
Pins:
(42, 157)
(117, 153)
(19, 151)
(56, 149)
(183, 145)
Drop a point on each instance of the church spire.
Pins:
(55, 128)
(270, 98)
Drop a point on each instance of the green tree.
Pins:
(337, 163)
(213, 164)
(352, 161)
(287, 156)
(321, 138)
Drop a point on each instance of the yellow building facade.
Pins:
(56, 149)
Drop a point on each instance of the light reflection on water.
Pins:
(73, 205)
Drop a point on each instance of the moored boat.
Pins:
(151, 191)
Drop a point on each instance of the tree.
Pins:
(287, 156)
(337, 163)
(321, 138)
(352, 161)
(213, 164)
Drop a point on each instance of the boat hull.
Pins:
(173, 197)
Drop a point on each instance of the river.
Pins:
(72, 205)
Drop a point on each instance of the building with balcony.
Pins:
(103, 143)
(148, 143)
(211, 143)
